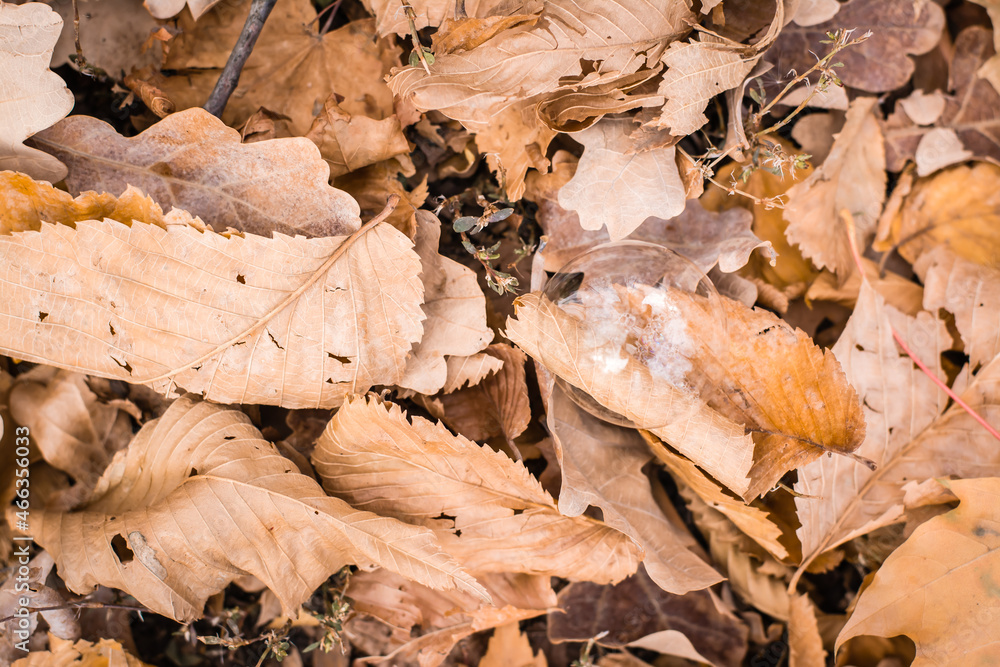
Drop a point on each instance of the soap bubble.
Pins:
(627, 299)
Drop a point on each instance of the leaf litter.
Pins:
(372, 368)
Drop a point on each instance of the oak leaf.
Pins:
(192, 161)
(619, 190)
(601, 465)
(900, 29)
(351, 142)
(31, 96)
(492, 515)
(939, 587)
(221, 502)
(63, 653)
(911, 436)
(282, 321)
(971, 114)
(853, 178)
(716, 380)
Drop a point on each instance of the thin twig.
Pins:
(82, 605)
(411, 18)
(230, 77)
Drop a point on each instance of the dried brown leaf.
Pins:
(31, 96)
(351, 142)
(602, 465)
(939, 587)
(282, 321)
(636, 608)
(165, 9)
(619, 190)
(853, 178)
(469, 370)
(911, 436)
(192, 161)
(805, 645)
(220, 502)
(900, 29)
(63, 653)
(112, 35)
(495, 406)
(492, 515)
(509, 646)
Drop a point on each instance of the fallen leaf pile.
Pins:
(533, 333)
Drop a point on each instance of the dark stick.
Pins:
(230, 77)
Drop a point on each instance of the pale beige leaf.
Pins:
(165, 9)
(496, 516)
(31, 96)
(602, 465)
(970, 292)
(924, 108)
(497, 406)
(717, 396)
(696, 72)
(64, 653)
(911, 437)
(939, 148)
(284, 321)
(455, 307)
(509, 647)
(619, 190)
(805, 646)
(470, 370)
(192, 161)
(939, 588)
(112, 34)
(853, 178)
(528, 61)
(198, 499)
(811, 12)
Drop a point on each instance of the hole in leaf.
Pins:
(230, 437)
(112, 328)
(274, 340)
(42, 316)
(126, 365)
(120, 546)
(329, 380)
(240, 279)
(343, 360)
(194, 472)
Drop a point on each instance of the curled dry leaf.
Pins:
(455, 308)
(602, 465)
(939, 588)
(284, 321)
(223, 503)
(496, 406)
(470, 370)
(900, 29)
(853, 178)
(165, 9)
(192, 161)
(749, 404)
(476, 85)
(619, 190)
(911, 436)
(958, 207)
(636, 612)
(31, 96)
(351, 142)
(490, 512)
